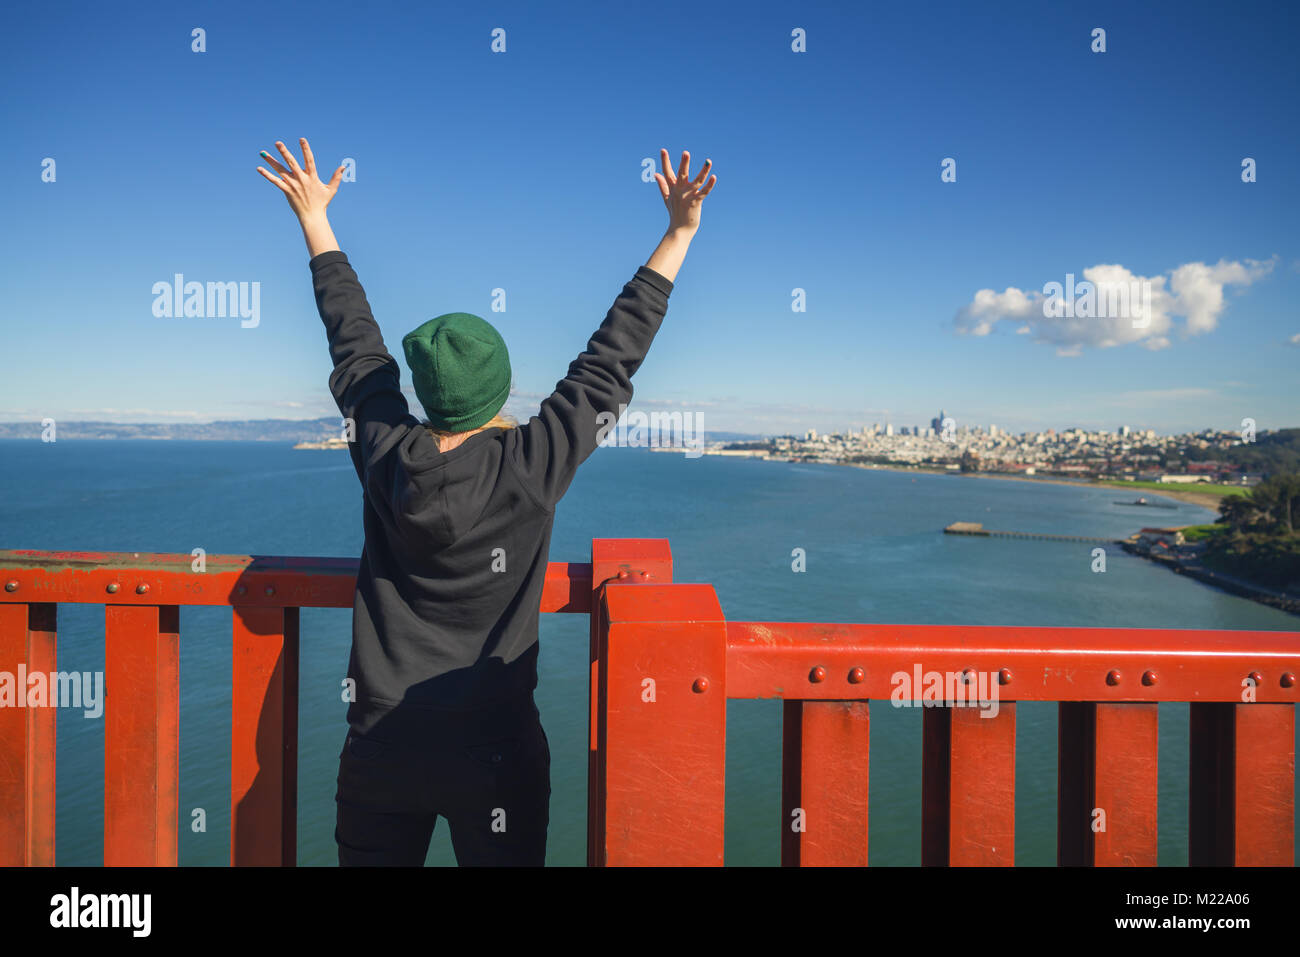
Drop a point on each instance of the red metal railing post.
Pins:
(264, 737)
(1107, 776)
(632, 561)
(141, 734)
(28, 636)
(1241, 808)
(825, 765)
(968, 786)
(663, 682)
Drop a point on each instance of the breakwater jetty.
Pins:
(976, 528)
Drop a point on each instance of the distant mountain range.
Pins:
(251, 430)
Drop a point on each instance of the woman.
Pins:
(458, 513)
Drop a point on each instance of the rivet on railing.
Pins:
(142, 589)
(270, 590)
(623, 573)
(1112, 677)
(11, 586)
(1256, 679)
(643, 575)
(1149, 678)
(1288, 679)
(113, 588)
(1004, 676)
(857, 676)
(817, 674)
(701, 685)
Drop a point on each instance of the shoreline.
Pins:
(1208, 500)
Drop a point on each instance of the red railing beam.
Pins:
(270, 581)
(264, 737)
(1107, 784)
(825, 764)
(28, 643)
(663, 685)
(634, 561)
(777, 659)
(141, 734)
(968, 786)
(1241, 806)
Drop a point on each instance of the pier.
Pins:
(657, 768)
(976, 528)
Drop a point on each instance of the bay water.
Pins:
(875, 553)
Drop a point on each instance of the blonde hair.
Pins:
(449, 440)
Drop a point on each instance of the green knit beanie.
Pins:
(460, 369)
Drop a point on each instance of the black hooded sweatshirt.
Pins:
(436, 625)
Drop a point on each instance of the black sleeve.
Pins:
(366, 379)
(587, 401)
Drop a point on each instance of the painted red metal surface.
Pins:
(663, 680)
(622, 561)
(264, 737)
(775, 660)
(663, 663)
(968, 786)
(271, 581)
(1242, 787)
(141, 734)
(825, 761)
(27, 739)
(1107, 777)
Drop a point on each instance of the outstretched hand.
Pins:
(682, 195)
(307, 195)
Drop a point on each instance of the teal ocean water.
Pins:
(875, 553)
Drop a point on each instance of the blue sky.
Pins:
(522, 171)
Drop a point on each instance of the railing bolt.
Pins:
(1256, 679)
(11, 586)
(113, 587)
(142, 589)
(1288, 679)
(701, 685)
(1149, 678)
(967, 676)
(643, 575)
(817, 674)
(1004, 676)
(622, 573)
(270, 590)
(1112, 677)
(857, 676)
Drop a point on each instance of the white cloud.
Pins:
(1142, 309)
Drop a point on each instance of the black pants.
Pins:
(487, 773)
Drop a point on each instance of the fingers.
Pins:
(663, 186)
(708, 163)
(288, 157)
(308, 160)
(684, 170)
(337, 177)
(668, 171)
(274, 179)
(273, 163)
(708, 188)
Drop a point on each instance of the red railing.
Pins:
(663, 662)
